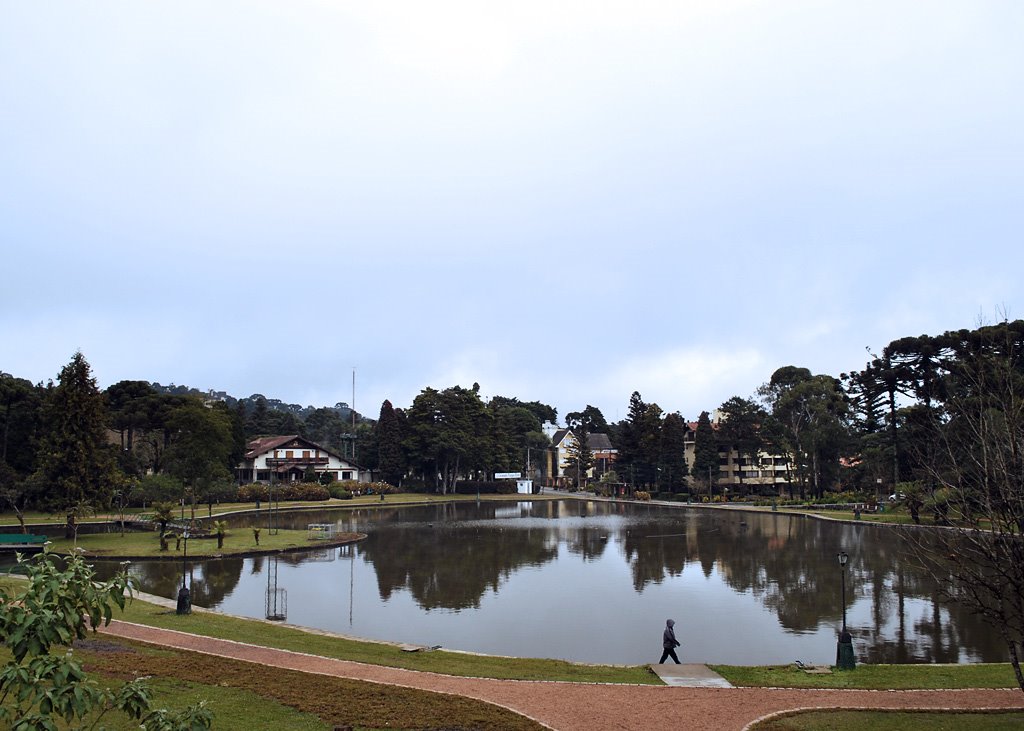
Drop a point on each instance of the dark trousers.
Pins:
(669, 652)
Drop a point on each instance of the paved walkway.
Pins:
(587, 706)
(690, 675)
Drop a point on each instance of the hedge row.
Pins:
(286, 493)
(484, 487)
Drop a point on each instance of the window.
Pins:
(288, 454)
(305, 454)
(346, 475)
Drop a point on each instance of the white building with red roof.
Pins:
(286, 459)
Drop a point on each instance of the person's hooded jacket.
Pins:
(668, 640)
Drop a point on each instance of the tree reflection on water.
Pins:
(450, 556)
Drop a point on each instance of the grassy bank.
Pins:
(894, 721)
(245, 696)
(879, 677)
(874, 677)
(212, 624)
(237, 541)
(204, 512)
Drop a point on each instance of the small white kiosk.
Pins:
(523, 487)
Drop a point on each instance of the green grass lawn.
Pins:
(877, 677)
(147, 544)
(268, 634)
(202, 511)
(245, 696)
(894, 721)
(874, 677)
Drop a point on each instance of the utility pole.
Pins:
(353, 409)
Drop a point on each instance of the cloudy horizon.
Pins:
(559, 202)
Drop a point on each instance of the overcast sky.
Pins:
(563, 202)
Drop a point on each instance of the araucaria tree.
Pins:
(76, 462)
(977, 481)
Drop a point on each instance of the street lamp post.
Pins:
(844, 647)
(184, 599)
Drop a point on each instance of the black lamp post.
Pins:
(184, 599)
(844, 647)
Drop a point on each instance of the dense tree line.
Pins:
(450, 435)
(870, 431)
(72, 449)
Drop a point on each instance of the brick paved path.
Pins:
(585, 707)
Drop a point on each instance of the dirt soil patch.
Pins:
(588, 706)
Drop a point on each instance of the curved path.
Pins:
(582, 706)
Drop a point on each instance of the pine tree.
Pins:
(580, 458)
(673, 470)
(77, 467)
(639, 442)
(390, 453)
(705, 452)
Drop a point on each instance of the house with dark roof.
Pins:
(286, 459)
(563, 440)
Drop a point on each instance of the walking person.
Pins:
(669, 642)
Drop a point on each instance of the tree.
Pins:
(705, 452)
(77, 464)
(979, 469)
(590, 419)
(673, 469)
(163, 513)
(811, 411)
(740, 429)
(446, 431)
(15, 494)
(201, 445)
(324, 426)
(390, 453)
(259, 417)
(20, 422)
(126, 407)
(40, 688)
(220, 529)
(515, 429)
(639, 441)
(579, 459)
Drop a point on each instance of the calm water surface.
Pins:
(595, 582)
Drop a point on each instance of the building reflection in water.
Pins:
(520, 578)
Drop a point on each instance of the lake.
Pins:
(594, 581)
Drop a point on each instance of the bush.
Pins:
(252, 492)
(642, 495)
(486, 487)
(681, 497)
(156, 488)
(291, 491)
(306, 491)
(350, 486)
